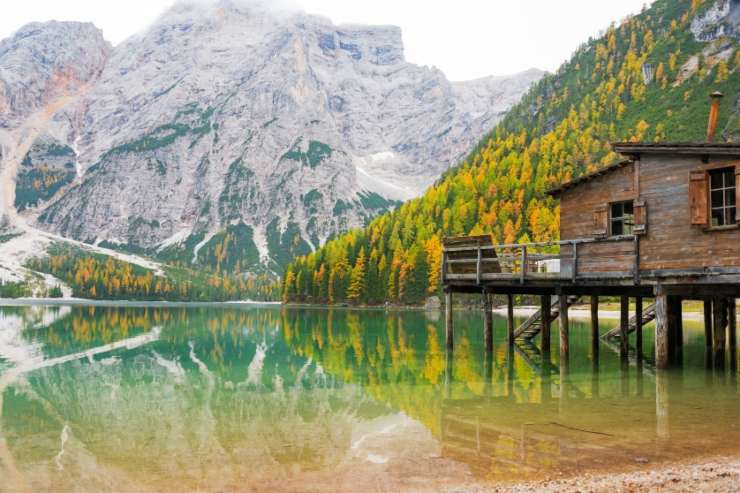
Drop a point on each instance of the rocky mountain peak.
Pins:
(43, 60)
(270, 130)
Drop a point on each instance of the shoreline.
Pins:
(716, 473)
(520, 311)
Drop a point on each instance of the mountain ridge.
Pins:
(259, 138)
(647, 78)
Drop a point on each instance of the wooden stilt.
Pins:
(708, 322)
(720, 322)
(638, 326)
(731, 322)
(510, 318)
(661, 328)
(545, 304)
(732, 333)
(594, 319)
(595, 328)
(564, 344)
(674, 307)
(488, 321)
(719, 307)
(448, 320)
(679, 323)
(624, 322)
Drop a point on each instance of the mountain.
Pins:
(645, 79)
(229, 135)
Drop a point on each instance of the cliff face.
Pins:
(226, 121)
(44, 60)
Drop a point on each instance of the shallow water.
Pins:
(281, 399)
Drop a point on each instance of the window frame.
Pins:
(622, 219)
(727, 206)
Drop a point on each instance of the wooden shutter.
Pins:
(640, 217)
(698, 200)
(601, 219)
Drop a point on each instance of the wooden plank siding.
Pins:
(579, 205)
(671, 241)
(583, 208)
(671, 238)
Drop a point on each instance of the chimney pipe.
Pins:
(716, 96)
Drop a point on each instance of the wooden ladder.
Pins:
(533, 325)
(648, 315)
(532, 356)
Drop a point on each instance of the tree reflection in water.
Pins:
(168, 398)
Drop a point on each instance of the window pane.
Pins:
(616, 210)
(629, 228)
(716, 180)
(731, 215)
(717, 198)
(717, 217)
(729, 177)
(628, 208)
(617, 228)
(730, 197)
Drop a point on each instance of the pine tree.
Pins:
(357, 286)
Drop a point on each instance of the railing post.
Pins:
(478, 267)
(523, 273)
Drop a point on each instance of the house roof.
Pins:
(588, 177)
(687, 148)
(634, 149)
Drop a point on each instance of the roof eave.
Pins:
(634, 149)
(556, 191)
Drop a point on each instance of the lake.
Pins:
(266, 398)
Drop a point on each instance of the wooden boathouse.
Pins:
(661, 223)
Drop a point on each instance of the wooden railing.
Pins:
(557, 260)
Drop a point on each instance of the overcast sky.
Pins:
(464, 38)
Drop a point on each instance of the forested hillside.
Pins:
(647, 78)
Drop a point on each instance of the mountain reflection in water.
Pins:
(282, 399)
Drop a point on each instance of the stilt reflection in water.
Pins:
(335, 397)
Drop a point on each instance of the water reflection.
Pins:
(159, 399)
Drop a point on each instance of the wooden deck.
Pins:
(569, 269)
(580, 266)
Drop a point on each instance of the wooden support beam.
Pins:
(638, 326)
(564, 343)
(708, 322)
(720, 322)
(594, 320)
(661, 328)
(679, 324)
(488, 321)
(732, 332)
(624, 322)
(510, 318)
(545, 304)
(732, 322)
(674, 320)
(448, 320)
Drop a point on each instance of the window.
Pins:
(622, 218)
(722, 193)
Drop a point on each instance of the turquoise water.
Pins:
(287, 399)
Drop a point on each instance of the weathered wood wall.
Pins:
(579, 208)
(671, 241)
